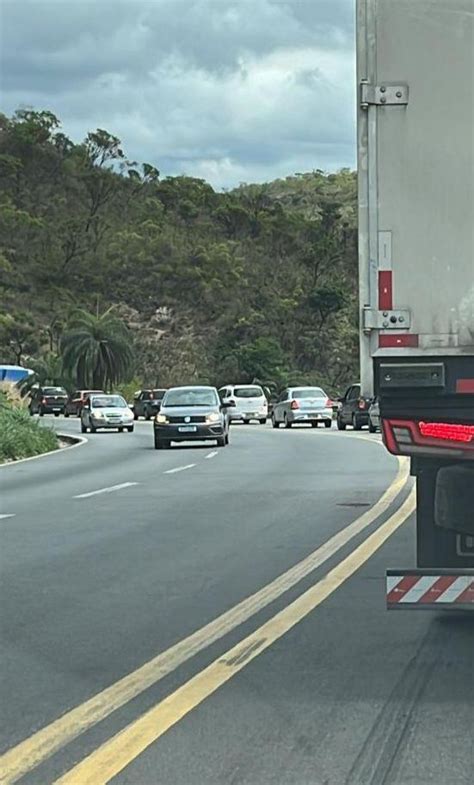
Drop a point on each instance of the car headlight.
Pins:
(161, 419)
(213, 417)
(98, 415)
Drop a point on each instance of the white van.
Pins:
(247, 402)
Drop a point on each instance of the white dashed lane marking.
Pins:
(180, 469)
(110, 489)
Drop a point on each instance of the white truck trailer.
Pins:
(415, 66)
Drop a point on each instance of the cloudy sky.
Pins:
(229, 90)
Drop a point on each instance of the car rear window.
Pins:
(248, 392)
(158, 395)
(54, 391)
(309, 392)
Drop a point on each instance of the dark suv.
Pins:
(354, 409)
(147, 403)
(48, 400)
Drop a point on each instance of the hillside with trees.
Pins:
(108, 268)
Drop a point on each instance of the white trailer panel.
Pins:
(416, 178)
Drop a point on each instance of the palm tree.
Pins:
(97, 349)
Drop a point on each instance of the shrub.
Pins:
(20, 436)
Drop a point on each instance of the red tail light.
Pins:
(442, 430)
(329, 404)
(409, 437)
(362, 403)
(295, 405)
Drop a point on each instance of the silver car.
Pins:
(302, 405)
(374, 416)
(106, 411)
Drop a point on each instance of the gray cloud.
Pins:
(229, 90)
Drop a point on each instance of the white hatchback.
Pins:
(247, 402)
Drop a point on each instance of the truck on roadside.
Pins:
(415, 73)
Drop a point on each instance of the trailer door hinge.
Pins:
(386, 320)
(383, 94)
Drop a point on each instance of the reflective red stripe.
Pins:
(437, 589)
(402, 588)
(467, 596)
(394, 341)
(385, 290)
(465, 386)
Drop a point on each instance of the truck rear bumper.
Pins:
(430, 589)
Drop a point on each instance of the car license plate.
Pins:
(188, 429)
(56, 408)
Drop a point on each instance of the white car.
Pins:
(106, 411)
(305, 405)
(248, 402)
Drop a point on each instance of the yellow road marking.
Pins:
(28, 754)
(114, 755)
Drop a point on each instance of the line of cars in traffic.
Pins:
(201, 413)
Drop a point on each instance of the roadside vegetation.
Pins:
(109, 272)
(20, 435)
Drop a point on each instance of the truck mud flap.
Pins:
(434, 589)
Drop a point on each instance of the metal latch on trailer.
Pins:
(383, 94)
(386, 320)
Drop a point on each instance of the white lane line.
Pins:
(180, 469)
(7, 515)
(110, 489)
(212, 455)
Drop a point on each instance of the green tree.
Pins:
(18, 337)
(97, 349)
(263, 359)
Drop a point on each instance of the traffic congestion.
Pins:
(202, 413)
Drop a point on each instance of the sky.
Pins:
(228, 90)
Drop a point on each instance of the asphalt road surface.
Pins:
(205, 616)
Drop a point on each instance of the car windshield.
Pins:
(309, 392)
(54, 391)
(248, 392)
(108, 402)
(191, 397)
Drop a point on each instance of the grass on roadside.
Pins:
(20, 435)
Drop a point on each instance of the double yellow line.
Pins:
(115, 754)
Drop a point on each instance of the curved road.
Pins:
(203, 616)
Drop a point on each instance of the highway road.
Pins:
(202, 617)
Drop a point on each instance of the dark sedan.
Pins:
(146, 403)
(48, 400)
(191, 414)
(354, 409)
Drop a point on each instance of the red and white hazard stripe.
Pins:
(430, 590)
